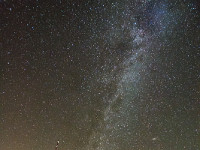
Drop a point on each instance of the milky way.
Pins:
(100, 75)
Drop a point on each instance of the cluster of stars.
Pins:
(100, 75)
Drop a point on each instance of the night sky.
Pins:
(100, 74)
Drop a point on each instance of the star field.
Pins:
(100, 75)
